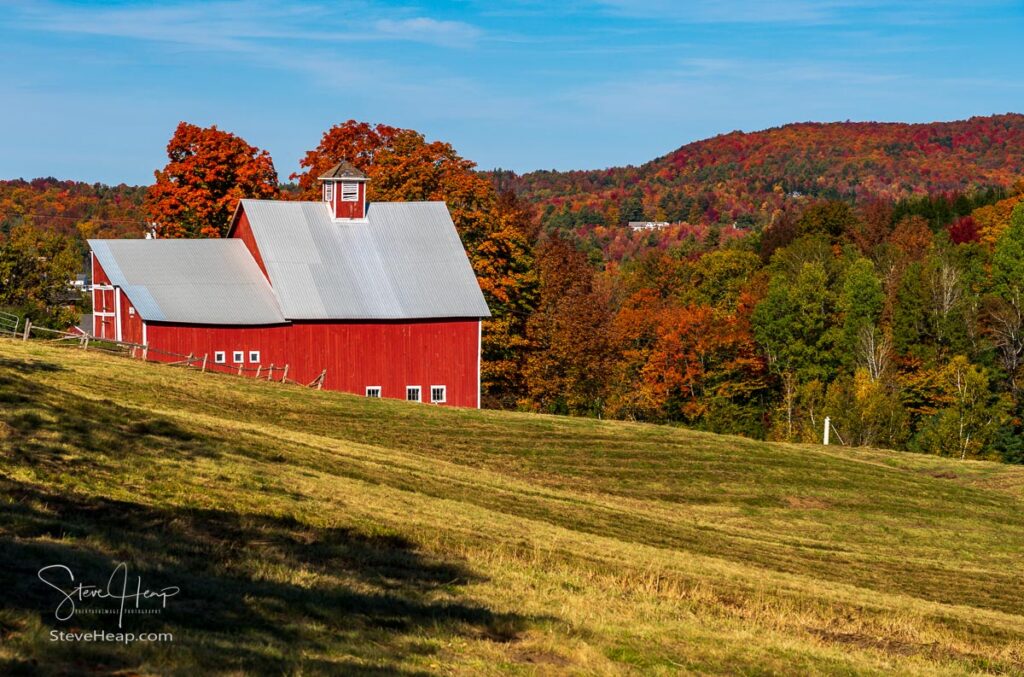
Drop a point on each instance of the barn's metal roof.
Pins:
(190, 281)
(405, 261)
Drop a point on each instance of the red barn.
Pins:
(381, 295)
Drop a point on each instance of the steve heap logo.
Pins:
(123, 595)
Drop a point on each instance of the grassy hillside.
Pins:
(315, 532)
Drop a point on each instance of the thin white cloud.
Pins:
(234, 25)
(795, 12)
(427, 30)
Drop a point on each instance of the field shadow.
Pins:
(29, 366)
(44, 426)
(370, 597)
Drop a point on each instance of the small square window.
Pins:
(220, 357)
(373, 391)
(349, 192)
(238, 357)
(438, 394)
(328, 192)
(254, 356)
(413, 394)
(131, 310)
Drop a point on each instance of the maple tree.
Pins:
(208, 172)
(704, 368)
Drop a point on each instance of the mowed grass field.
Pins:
(322, 533)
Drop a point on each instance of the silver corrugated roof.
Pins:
(190, 281)
(405, 261)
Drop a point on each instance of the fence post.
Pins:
(239, 369)
(205, 355)
(86, 345)
(259, 370)
(285, 377)
(145, 352)
(28, 329)
(320, 383)
(828, 424)
(188, 364)
(270, 372)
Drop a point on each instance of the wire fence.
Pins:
(272, 373)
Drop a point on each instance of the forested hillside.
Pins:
(747, 177)
(73, 207)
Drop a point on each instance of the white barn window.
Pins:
(373, 391)
(238, 357)
(413, 394)
(349, 191)
(254, 356)
(438, 394)
(328, 191)
(220, 357)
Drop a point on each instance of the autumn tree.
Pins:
(873, 226)
(970, 416)
(705, 369)
(403, 166)
(208, 172)
(719, 277)
(833, 218)
(36, 268)
(571, 351)
(356, 142)
(866, 411)
(504, 264)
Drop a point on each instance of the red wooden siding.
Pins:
(391, 355)
(243, 231)
(350, 210)
(103, 303)
(131, 322)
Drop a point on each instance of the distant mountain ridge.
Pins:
(747, 175)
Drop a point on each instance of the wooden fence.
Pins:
(9, 323)
(273, 373)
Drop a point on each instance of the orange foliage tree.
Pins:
(208, 172)
(705, 368)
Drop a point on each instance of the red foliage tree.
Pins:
(964, 230)
(208, 172)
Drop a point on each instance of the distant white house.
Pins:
(647, 225)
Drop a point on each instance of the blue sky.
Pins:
(92, 91)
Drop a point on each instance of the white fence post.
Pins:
(828, 426)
